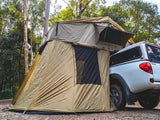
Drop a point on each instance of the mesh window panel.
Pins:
(111, 36)
(87, 65)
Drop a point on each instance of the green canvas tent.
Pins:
(71, 74)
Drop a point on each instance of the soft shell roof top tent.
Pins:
(98, 32)
(72, 72)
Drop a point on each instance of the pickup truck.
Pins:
(135, 75)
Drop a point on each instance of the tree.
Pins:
(138, 17)
(82, 5)
(11, 55)
(25, 37)
(46, 17)
(117, 13)
(78, 9)
(11, 47)
(12, 43)
(35, 21)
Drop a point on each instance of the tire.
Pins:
(117, 96)
(149, 102)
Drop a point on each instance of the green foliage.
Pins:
(89, 8)
(36, 23)
(117, 13)
(11, 41)
(6, 94)
(12, 60)
(138, 17)
(92, 10)
(35, 14)
(10, 14)
(66, 14)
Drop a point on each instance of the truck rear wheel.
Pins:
(117, 96)
(149, 102)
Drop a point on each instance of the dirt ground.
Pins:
(135, 112)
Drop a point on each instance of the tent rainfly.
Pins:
(71, 73)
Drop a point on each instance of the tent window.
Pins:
(110, 35)
(87, 65)
(80, 67)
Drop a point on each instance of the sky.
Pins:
(109, 3)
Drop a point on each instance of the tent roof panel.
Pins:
(95, 20)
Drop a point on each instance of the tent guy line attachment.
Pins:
(24, 112)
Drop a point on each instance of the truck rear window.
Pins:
(153, 53)
(125, 56)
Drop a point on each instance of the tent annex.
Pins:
(71, 74)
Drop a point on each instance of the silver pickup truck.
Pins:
(135, 75)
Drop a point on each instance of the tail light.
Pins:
(151, 80)
(146, 67)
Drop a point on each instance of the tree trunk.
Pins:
(19, 66)
(82, 8)
(25, 38)
(31, 43)
(46, 17)
(1, 85)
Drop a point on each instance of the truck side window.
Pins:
(128, 55)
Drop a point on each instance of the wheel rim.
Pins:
(115, 96)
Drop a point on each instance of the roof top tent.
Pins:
(97, 32)
(72, 72)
